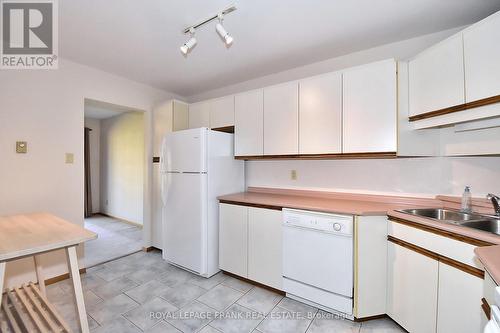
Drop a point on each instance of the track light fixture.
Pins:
(222, 32)
(188, 46)
(226, 37)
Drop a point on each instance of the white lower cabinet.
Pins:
(412, 289)
(265, 247)
(459, 305)
(250, 243)
(427, 294)
(233, 239)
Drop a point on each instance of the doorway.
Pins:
(114, 150)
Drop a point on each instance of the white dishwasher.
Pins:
(318, 264)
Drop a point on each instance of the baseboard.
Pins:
(255, 283)
(120, 219)
(150, 248)
(62, 277)
(371, 318)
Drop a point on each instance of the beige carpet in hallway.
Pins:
(115, 239)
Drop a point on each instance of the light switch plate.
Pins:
(293, 174)
(21, 147)
(70, 158)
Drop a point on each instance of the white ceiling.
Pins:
(140, 40)
(102, 110)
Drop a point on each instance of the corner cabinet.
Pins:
(250, 243)
(249, 123)
(281, 119)
(370, 108)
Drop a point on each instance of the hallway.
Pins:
(115, 239)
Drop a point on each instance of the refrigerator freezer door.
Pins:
(185, 151)
(185, 221)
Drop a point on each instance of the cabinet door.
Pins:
(233, 237)
(199, 114)
(320, 114)
(281, 124)
(437, 77)
(249, 123)
(181, 116)
(370, 108)
(412, 284)
(482, 54)
(265, 247)
(459, 307)
(222, 112)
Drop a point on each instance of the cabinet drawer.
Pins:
(447, 247)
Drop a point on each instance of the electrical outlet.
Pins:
(21, 147)
(293, 174)
(69, 158)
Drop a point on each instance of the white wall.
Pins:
(46, 108)
(405, 176)
(95, 161)
(122, 166)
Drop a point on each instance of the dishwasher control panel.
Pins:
(334, 223)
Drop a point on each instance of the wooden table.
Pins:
(33, 234)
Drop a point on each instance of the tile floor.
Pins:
(143, 293)
(116, 239)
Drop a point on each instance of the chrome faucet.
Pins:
(494, 200)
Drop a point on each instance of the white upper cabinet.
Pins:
(370, 108)
(180, 115)
(249, 123)
(320, 114)
(482, 59)
(222, 112)
(199, 114)
(437, 77)
(281, 123)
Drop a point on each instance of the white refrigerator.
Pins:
(197, 166)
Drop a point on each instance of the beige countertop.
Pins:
(490, 258)
(330, 202)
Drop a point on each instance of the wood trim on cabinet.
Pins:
(457, 108)
(248, 204)
(441, 232)
(445, 260)
(225, 129)
(320, 156)
(255, 283)
(486, 308)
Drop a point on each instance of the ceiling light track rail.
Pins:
(225, 11)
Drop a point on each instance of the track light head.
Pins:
(226, 37)
(190, 44)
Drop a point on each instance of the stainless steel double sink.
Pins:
(488, 223)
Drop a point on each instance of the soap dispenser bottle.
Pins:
(466, 200)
